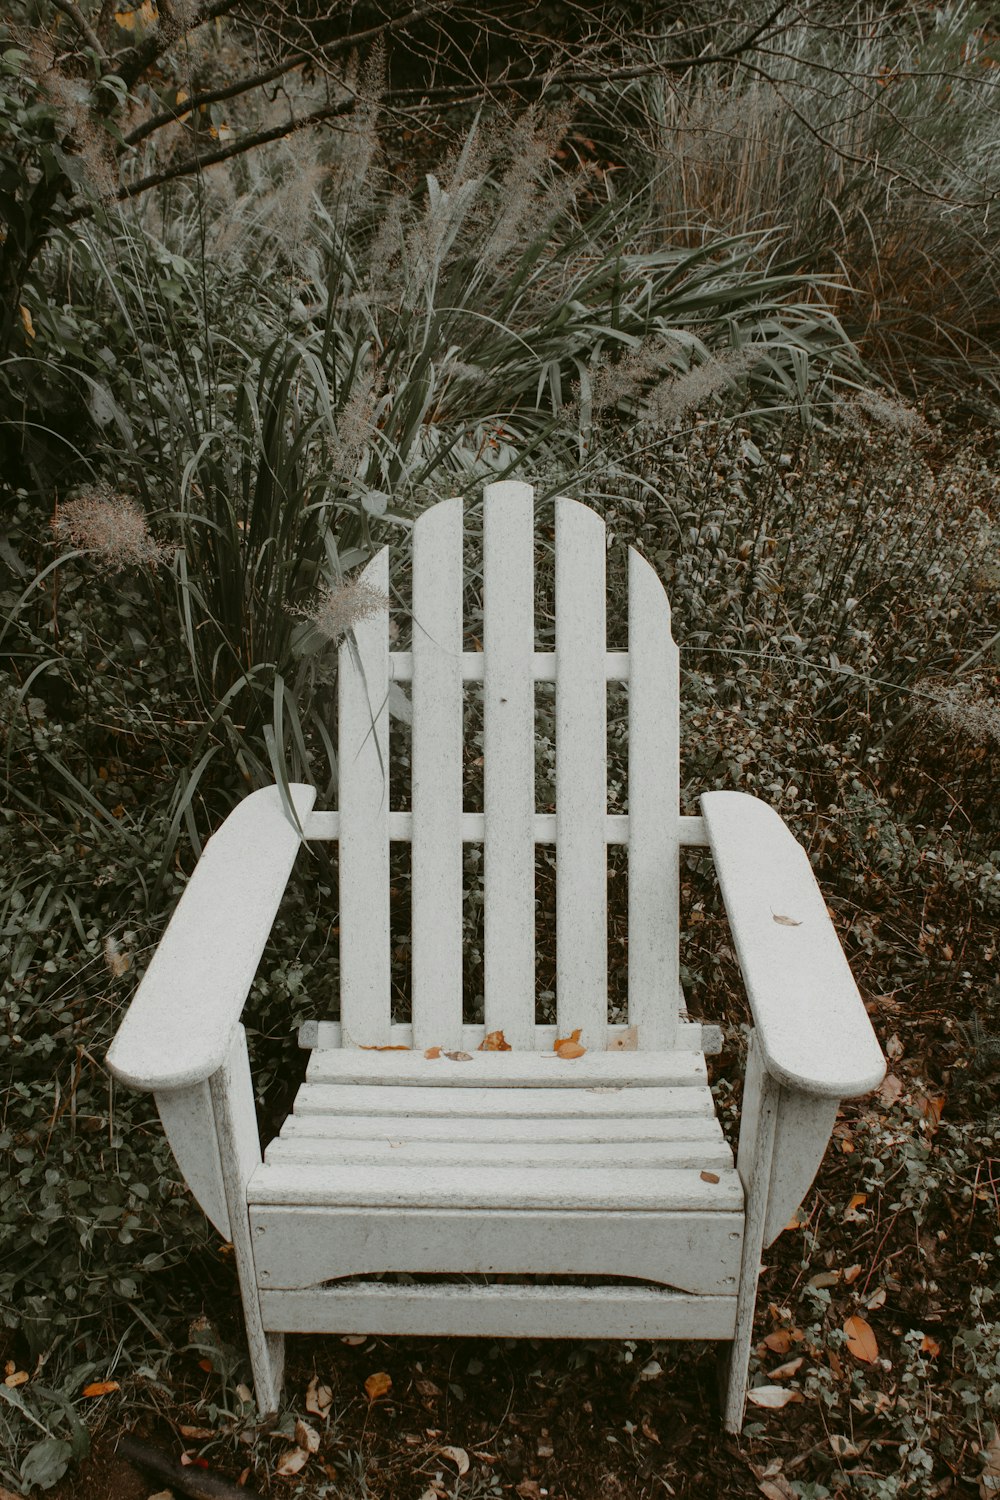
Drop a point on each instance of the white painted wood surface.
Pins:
(450, 1311)
(239, 1153)
(436, 771)
(581, 776)
(654, 804)
(326, 826)
(363, 794)
(695, 1251)
(692, 1036)
(802, 1134)
(517, 1129)
(188, 1120)
(509, 761)
(813, 1029)
(512, 1070)
(475, 1155)
(181, 1022)
(483, 1103)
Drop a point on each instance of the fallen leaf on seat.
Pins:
(433, 1052)
(861, 1340)
(458, 1456)
(772, 1396)
(625, 1041)
(709, 1176)
(786, 921)
(378, 1385)
(459, 1056)
(394, 1047)
(494, 1041)
(319, 1398)
(569, 1046)
(291, 1461)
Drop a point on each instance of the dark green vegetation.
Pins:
(688, 295)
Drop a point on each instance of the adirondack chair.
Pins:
(607, 1165)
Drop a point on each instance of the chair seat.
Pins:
(501, 1130)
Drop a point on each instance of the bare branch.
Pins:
(242, 86)
(72, 10)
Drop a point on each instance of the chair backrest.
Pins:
(581, 828)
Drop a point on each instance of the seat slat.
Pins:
(525, 1103)
(485, 1155)
(654, 999)
(494, 1131)
(509, 761)
(678, 1190)
(437, 776)
(581, 775)
(625, 1070)
(363, 790)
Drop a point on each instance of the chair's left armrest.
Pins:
(813, 1029)
(180, 1026)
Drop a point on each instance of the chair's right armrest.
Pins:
(179, 1027)
(814, 1032)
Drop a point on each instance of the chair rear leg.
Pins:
(239, 1151)
(756, 1151)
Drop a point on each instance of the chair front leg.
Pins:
(761, 1096)
(239, 1150)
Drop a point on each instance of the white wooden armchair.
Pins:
(610, 1164)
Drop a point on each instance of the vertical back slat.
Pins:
(509, 761)
(581, 775)
(654, 808)
(437, 777)
(363, 751)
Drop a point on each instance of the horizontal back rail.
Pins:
(543, 665)
(325, 827)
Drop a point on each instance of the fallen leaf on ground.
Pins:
(458, 1457)
(291, 1462)
(931, 1107)
(889, 1090)
(779, 1342)
(858, 1200)
(851, 1274)
(651, 1371)
(786, 921)
(894, 1047)
(772, 1396)
(319, 1398)
(160, 1495)
(307, 1437)
(648, 1430)
(197, 1434)
(786, 1371)
(528, 1489)
(100, 1388)
(876, 1300)
(930, 1346)
(824, 1278)
(709, 1176)
(776, 1488)
(494, 1041)
(433, 1052)
(16, 1378)
(989, 1479)
(379, 1384)
(842, 1446)
(459, 1056)
(352, 1340)
(861, 1340)
(427, 1389)
(625, 1041)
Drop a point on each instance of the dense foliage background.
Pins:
(270, 285)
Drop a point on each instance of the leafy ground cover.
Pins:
(221, 399)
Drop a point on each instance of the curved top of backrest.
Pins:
(508, 667)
